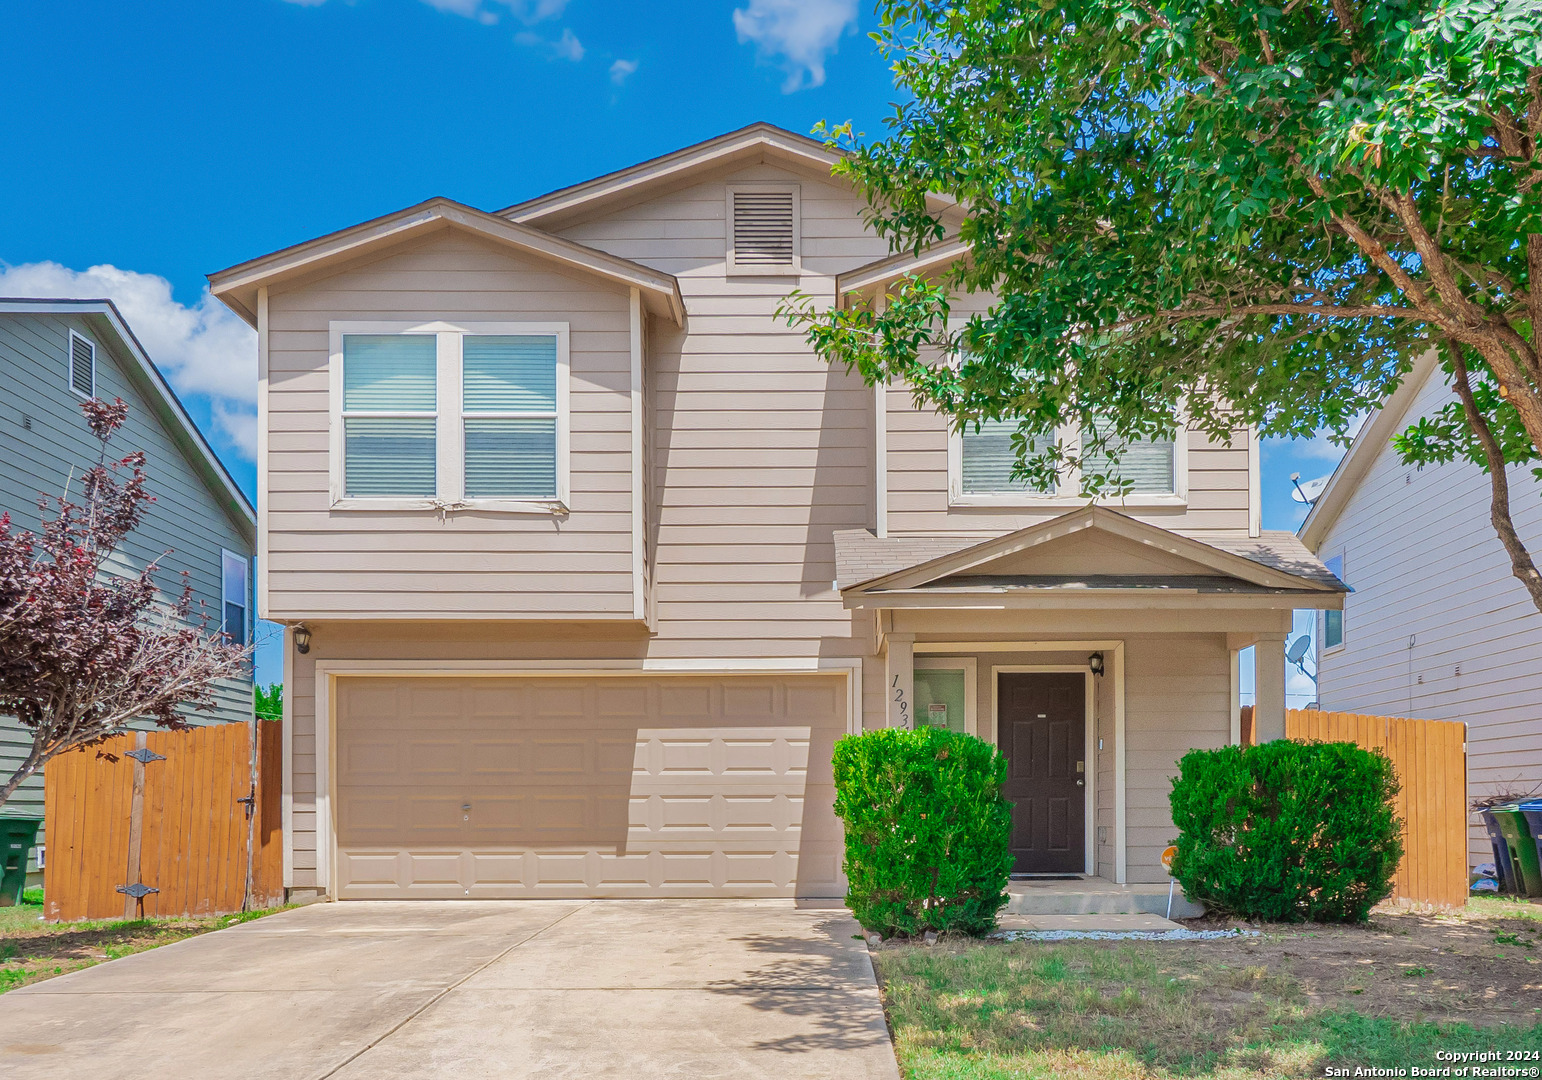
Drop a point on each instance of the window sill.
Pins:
(547, 507)
(1175, 502)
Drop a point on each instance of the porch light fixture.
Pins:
(302, 639)
(1095, 662)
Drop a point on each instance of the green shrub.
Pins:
(1287, 831)
(926, 830)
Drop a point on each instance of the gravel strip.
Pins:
(1119, 935)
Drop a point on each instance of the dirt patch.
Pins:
(1484, 970)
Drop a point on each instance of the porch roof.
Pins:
(1271, 564)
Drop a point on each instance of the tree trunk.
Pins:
(1521, 564)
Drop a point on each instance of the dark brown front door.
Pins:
(1042, 728)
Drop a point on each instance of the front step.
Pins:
(1094, 896)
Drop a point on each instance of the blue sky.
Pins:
(165, 139)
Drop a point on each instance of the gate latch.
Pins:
(144, 755)
(139, 890)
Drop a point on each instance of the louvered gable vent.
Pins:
(82, 366)
(764, 230)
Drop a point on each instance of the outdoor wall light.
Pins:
(302, 639)
(1095, 662)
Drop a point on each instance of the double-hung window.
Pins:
(235, 588)
(1332, 636)
(981, 462)
(450, 415)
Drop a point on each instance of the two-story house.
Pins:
(1437, 625)
(587, 559)
(56, 354)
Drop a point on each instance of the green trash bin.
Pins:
(1523, 849)
(17, 835)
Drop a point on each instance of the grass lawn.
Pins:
(1289, 1003)
(32, 950)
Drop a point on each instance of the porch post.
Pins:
(1269, 687)
(899, 680)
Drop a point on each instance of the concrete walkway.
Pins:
(640, 988)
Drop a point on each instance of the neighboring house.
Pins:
(55, 354)
(587, 559)
(1436, 626)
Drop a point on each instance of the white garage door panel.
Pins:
(610, 786)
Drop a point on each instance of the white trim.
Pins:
(635, 333)
(328, 671)
(1255, 484)
(731, 268)
(1089, 743)
(1234, 657)
(247, 629)
(262, 454)
(881, 458)
(450, 417)
(286, 732)
(1121, 838)
(970, 668)
(69, 364)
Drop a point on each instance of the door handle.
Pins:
(1080, 782)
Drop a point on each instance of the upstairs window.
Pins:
(443, 416)
(390, 417)
(763, 227)
(234, 589)
(82, 366)
(1333, 621)
(983, 460)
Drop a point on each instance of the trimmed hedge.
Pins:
(927, 830)
(1287, 831)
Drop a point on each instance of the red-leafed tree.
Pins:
(85, 647)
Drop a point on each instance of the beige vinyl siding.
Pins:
(185, 528)
(394, 563)
(1437, 627)
(758, 449)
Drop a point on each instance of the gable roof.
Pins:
(756, 142)
(237, 286)
(1272, 561)
(879, 274)
(1372, 437)
(147, 379)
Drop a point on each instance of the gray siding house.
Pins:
(55, 354)
(1436, 626)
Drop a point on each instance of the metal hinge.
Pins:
(144, 755)
(139, 890)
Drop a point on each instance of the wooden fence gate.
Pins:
(1431, 761)
(164, 829)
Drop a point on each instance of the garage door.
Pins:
(663, 786)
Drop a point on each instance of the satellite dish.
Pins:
(1308, 492)
(1298, 649)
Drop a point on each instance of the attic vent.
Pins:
(82, 366)
(765, 231)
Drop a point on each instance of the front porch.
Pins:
(1095, 651)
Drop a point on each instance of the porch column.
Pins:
(899, 680)
(1269, 687)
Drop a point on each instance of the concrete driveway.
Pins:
(623, 988)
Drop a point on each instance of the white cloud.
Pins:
(622, 70)
(565, 47)
(801, 32)
(203, 349)
(486, 11)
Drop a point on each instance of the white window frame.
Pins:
(1069, 484)
(1323, 648)
(69, 365)
(970, 668)
(246, 600)
(760, 269)
(450, 463)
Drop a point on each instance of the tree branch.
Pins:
(1521, 564)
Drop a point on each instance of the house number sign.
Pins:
(901, 703)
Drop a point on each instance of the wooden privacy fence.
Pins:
(164, 829)
(1430, 757)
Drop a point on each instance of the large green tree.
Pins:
(1212, 213)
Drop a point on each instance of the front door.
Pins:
(1041, 726)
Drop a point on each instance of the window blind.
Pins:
(388, 455)
(988, 459)
(1146, 463)
(509, 402)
